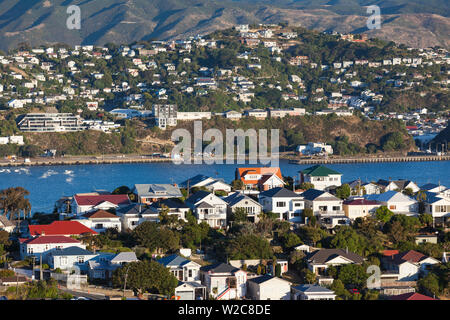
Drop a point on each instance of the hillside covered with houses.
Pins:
(125, 96)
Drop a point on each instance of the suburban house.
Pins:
(260, 179)
(209, 208)
(438, 205)
(190, 291)
(103, 265)
(239, 200)
(172, 206)
(397, 202)
(321, 177)
(359, 207)
(149, 193)
(223, 281)
(391, 185)
(286, 203)
(43, 245)
(133, 215)
(411, 296)
(432, 187)
(311, 292)
(209, 183)
(267, 287)
(359, 187)
(319, 260)
(70, 257)
(83, 203)
(60, 228)
(6, 225)
(100, 220)
(408, 265)
(323, 203)
(183, 269)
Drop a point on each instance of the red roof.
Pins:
(50, 239)
(93, 200)
(412, 256)
(411, 296)
(411, 127)
(360, 202)
(60, 228)
(99, 214)
(264, 171)
(390, 253)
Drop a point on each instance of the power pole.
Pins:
(41, 273)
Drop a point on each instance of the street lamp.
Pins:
(125, 282)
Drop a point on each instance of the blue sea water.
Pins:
(48, 184)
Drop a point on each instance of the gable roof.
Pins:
(313, 194)
(99, 214)
(360, 202)
(158, 190)
(49, 239)
(263, 171)
(391, 195)
(124, 257)
(135, 209)
(219, 268)
(60, 228)
(319, 171)
(173, 260)
(72, 251)
(265, 278)
(324, 255)
(199, 195)
(411, 296)
(280, 192)
(313, 288)
(94, 200)
(194, 180)
(237, 197)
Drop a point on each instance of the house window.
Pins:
(30, 250)
(80, 259)
(392, 207)
(297, 204)
(190, 274)
(336, 208)
(281, 204)
(99, 226)
(63, 261)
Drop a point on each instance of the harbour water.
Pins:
(48, 184)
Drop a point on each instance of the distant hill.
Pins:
(415, 23)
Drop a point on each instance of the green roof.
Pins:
(319, 171)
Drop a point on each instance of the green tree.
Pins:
(343, 191)
(353, 274)
(239, 215)
(383, 214)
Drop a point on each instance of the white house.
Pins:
(409, 265)
(322, 202)
(267, 287)
(312, 292)
(397, 202)
(133, 215)
(223, 281)
(70, 257)
(438, 205)
(83, 203)
(183, 269)
(101, 220)
(319, 260)
(321, 177)
(359, 208)
(315, 148)
(209, 208)
(43, 245)
(286, 203)
(103, 265)
(209, 183)
(239, 200)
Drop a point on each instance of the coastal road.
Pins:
(90, 296)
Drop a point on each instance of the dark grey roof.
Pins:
(324, 255)
(170, 203)
(280, 192)
(311, 288)
(196, 197)
(219, 268)
(158, 190)
(72, 251)
(173, 260)
(261, 279)
(237, 197)
(134, 209)
(194, 180)
(312, 194)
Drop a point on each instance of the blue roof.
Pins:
(194, 180)
(312, 288)
(72, 251)
(173, 260)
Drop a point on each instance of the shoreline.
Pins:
(90, 160)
